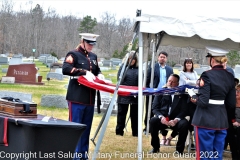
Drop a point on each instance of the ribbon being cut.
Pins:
(106, 86)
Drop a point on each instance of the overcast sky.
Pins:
(127, 8)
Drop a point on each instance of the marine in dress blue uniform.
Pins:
(216, 94)
(81, 99)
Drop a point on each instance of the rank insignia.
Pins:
(201, 83)
(69, 59)
(95, 62)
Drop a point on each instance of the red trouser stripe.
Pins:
(197, 143)
(5, 132)
(70, 110)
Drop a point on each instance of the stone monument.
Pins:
(23, 73)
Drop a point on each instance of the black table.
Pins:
(36, 139)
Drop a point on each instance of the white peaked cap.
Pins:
(89, 36)
(214, 51)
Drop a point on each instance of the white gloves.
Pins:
(89, 76)
(101, 76)
(190, 92)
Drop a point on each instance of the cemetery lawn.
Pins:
(120, 147)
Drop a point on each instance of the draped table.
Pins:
(33, 138)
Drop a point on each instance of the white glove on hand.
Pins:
(191, 92)
(101, 76)
(89, 76)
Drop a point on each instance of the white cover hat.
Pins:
(214, 51)
(89, 38)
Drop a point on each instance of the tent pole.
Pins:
(151, 86)
(160, 36)
(140, 96)
(106, 117)
(108, 114)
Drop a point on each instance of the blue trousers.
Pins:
(209, 143)
(82, 114)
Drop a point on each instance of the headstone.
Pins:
(42, 59)
(4, 70)
(23, 73)
(52, 75)
(56, 65)
(116, 61)
(58, 70)
(3, 60)
(104, 68)
(107, 63)
(15, 60)
(105, 101)
(22, 96)
(8, 79)
(54, 101)
(3, 55)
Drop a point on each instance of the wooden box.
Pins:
(18, 109)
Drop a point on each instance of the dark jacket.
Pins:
(156, 78)
(215, 84)
(130, 79)
(161, 104)
(83, 62)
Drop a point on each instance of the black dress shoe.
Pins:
(154, 150)
(192, 147)
(135, 135)
(119, 134)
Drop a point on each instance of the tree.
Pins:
(135, 45)
(87, 25)
(37, 22)
(54, 54)
(6, 29)
(233, 58)
(124, 51)
(115, 54)
(107, 30)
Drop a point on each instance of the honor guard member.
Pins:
(81, 99)
(216, 94)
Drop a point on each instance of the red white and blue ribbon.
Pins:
(124, 90)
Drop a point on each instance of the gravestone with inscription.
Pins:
(23, 73)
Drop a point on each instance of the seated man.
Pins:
(169, 112)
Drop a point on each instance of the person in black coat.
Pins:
(169, 112)
(130, 79)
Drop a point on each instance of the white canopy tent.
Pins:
(181, 31)
(178, 31)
